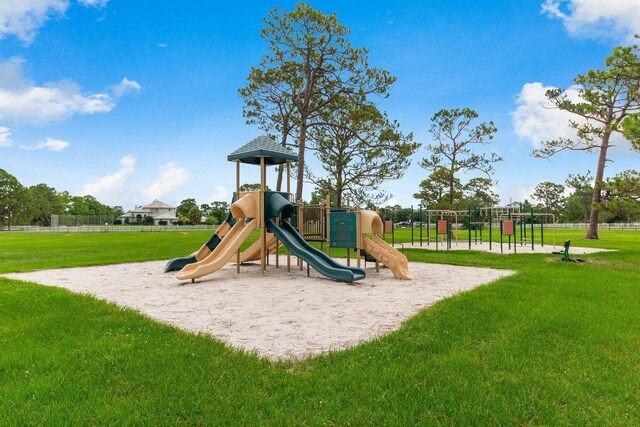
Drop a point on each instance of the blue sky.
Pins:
(136, 100)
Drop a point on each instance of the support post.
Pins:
(469, 225)
(490, 227)
(532, 248)
(421, 222)
(261, 222)
(237, 198)
(289, 199)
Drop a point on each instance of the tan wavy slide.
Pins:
(252, 253)
(395, 260)
(222, 253)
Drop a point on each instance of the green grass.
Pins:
(555, 344)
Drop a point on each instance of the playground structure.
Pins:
(515, 225)
(271, 213)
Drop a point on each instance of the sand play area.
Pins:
(279, 315)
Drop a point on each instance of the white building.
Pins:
(158, 210)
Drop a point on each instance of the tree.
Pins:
(621, 196)
(578, 205)
(309, 66)
(42, 201)
(452, 152)
(550, 195)
(194, 216)
(360, 151)
(252, 187)
(268, 103)
(436, 189)
(609, 102)
(478, 192)
(218, 212)
(12, 197)
(186, 205)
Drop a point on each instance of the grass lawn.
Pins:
(556, 344)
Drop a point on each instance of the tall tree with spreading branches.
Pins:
(309, 67)
(455, 138)
(550, 195)
(609, 103)
(360, 151)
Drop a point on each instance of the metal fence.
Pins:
(80, 220)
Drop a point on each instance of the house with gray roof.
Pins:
(159, 211)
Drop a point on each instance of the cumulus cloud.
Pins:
(109, 189)
(536, 121)
(171, 177)
(94, 3)
(534, 118)
(125, 86)
(619, 19)
(5, 137)
(49, 144)
(23, 18)
(23, 101)
(220, 194)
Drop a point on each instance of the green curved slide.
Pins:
(322, 262)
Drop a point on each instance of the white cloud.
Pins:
(536, 121)
(22, 100)
(616, 19)
(94, 3)
(22, 18)
(220, 194)
(109, 189)
(171, 177)
(50, 144)
(5, 137)
(125, 86)
(162, 45)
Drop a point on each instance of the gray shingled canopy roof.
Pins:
(273, 153)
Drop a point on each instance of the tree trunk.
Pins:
(301, 149)
(279, 181)
(592, 230)
(285, 132)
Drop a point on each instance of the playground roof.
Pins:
(263, 146)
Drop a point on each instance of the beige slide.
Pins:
(222, 254)
(252, 253)
(395, 260)
(243, 209)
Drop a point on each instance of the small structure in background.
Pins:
(162, 214)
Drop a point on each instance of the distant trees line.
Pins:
(620, 201)
(34, 205)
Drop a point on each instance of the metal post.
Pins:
(532, 248)
(490, 228)
(428, 227)
(469, 226)
(420, 207)
(411, 224)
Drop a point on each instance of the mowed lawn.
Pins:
(555, 344)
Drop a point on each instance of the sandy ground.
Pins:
(278, 314)
(495, 247)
